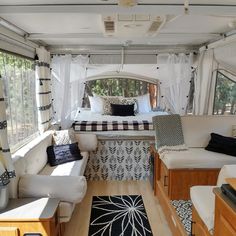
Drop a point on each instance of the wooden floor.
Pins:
(79, 223)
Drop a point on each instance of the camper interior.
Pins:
(117, 117)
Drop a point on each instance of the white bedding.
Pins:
(85, 114)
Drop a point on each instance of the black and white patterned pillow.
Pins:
(107, 101)
(130, 101)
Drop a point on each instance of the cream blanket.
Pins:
(162, 151)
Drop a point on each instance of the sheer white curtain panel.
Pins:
(68, 81)
(205, 83)
(175, 76)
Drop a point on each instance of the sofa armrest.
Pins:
(66, 188)
(87, 142)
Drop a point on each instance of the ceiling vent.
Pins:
(155, 26)
(109, 26)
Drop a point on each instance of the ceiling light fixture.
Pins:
(127, 3)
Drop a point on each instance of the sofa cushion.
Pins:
(227, 171)
(203, 200)
(197, 129)
(222, 144)
(59, 154)
(74, 168)
(63, 137)
(34, 153)
(65, 188)
(197, 158)
(87, 142)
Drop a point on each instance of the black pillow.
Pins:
(222, 144)
(122, 110)
(59, 154)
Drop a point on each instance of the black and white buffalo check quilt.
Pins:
(111, 125)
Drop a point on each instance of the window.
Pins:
(19, 84)
(225, 95)
(120, 87)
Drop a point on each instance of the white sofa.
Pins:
(36, 178)
(196, 131)
(203, 198)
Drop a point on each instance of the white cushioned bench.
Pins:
(203, 198)
(36, 178)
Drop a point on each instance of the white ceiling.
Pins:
(81, 25)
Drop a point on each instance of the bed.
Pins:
(107, 126)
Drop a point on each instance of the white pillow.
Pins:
(144, 105)
(96, 104)
(65, 188)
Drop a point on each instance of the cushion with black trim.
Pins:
(122, 110)
(222, 144)
(59, 154)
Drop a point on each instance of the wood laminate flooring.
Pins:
(79, 223)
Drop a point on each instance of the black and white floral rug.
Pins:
(119, 215)
(184, 211)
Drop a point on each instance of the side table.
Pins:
(30, 217)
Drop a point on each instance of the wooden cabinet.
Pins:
(177, 182)
(225, 215)
(35, 216)
(198, 226)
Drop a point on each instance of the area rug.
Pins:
(184, 211)
(119, 215)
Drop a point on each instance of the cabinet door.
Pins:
(9, 231)
(225, 218)
(164, 177)
(198, 227)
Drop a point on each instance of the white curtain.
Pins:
(175, 79)
(205, 83)
(6, 166)
(43, 89)
(68, 82)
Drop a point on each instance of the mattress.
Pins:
(197, 158)
(144, 121)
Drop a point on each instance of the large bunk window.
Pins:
(19, 89)
(120, 87)
(225, 95)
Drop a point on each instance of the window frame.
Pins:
(16, 146)
(216, 80)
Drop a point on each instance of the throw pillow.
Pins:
(96, 104)
(107, 104)
(144, 105)
(130, 101)
(222, 144)
(59, 154)
(63, 137)
(122, 110)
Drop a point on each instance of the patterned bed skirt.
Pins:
(119, 160)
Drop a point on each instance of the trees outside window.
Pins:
(120, 87)
(19, 89)
(225, 95)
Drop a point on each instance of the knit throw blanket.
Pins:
(167, 149)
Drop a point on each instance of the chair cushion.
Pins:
(65, 188)
(74, 168)
(197, 158)
(203, 200)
